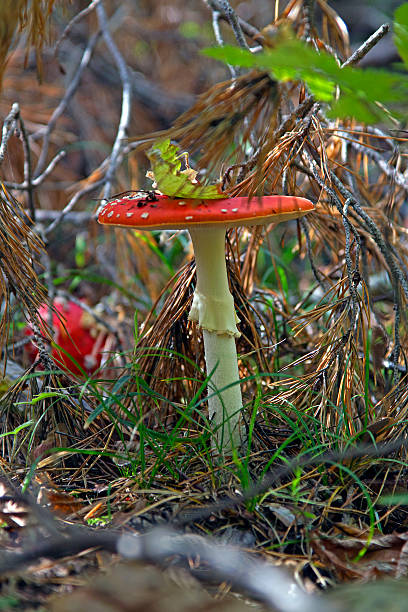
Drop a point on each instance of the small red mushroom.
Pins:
(213, 307)
(76, 333)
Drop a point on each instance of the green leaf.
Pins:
(396, 498)
(165, 160)
(349, 106)
(401, 31)
(351, 92)
(17, 429)
(42, 396)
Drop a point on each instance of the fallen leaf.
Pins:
(361, 557)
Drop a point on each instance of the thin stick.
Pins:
(71, 205)
(121, 133)
(40, 179)
(316, 273)
(55, 160)
(367, 45)
(372, 228)
(9, 126)
(88, 9)
(79, 218)
(299, 112)
(246, 27)
(217, 33)
(27, 168)
(397, 339)
(259, 579)
(308, 18)
(228, 13)
(71, 89)
(375, 232)
(349, 266)
(391, 172)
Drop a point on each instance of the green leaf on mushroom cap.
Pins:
(171, 180)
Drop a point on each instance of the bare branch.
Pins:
(308, 18)
(121, 134)
(71, 89)
(27, 167)
(79, 218)
(367, 45)
(55, 160)
(349, 266)
(225, 9)
(9, 126)
(217, 33)
(260, 580)
(25, 186)
(71, 205)
(73, 21)
(319, 278)
(395, 176)
(375, 232)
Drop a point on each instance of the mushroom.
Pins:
(77, 337)
(213, 305)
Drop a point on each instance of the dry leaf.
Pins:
(386, 556)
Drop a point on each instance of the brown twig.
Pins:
(237, 24)
(367, 46)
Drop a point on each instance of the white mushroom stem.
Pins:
(213, 309)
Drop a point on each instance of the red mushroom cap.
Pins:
(76, 334)
(149, 211)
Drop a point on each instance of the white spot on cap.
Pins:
(110, 213)
(224, 210)
(144, 215)
(118, 215)
(189, 218)
(235, 210)
(181, 203)
(129, 214)
(103, 211)
(136, 196)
